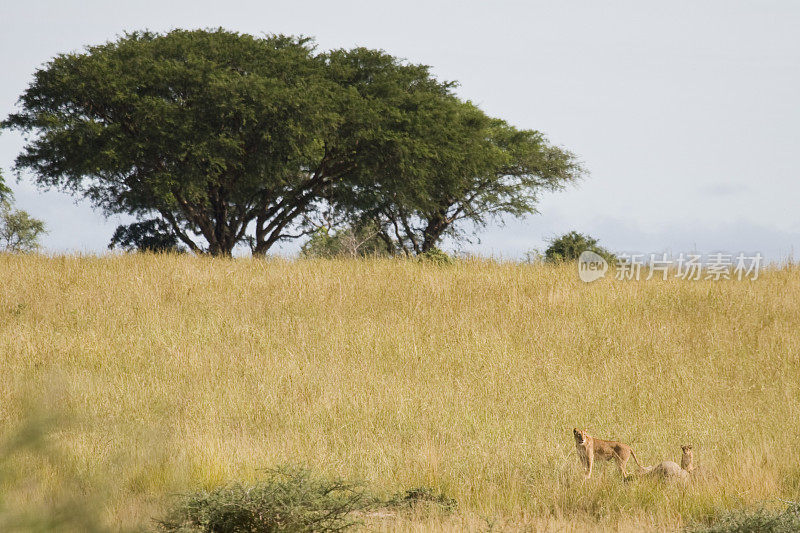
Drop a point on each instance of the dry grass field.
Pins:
(172, 373)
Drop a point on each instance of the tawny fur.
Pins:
(687, 461)
(667, 470)
(670, 470)
(591, 449)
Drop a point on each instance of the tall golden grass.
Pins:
(179, 372)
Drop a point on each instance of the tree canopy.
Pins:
(479, 170)
(225, 138)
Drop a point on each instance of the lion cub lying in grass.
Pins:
(591, 449)
(670, 470)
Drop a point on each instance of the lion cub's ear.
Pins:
(686, 447)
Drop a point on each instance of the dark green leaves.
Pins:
(227, 138)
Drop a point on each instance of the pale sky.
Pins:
(686, 114)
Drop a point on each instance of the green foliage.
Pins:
(569, 247)
(210, 130)
(437, 257)
(288, 500)
(217, 133)
(760, 521)
(292, 500)
(322, 243)
(350, 241)
(19, 232)
(152, 235)
(465, 170)
(5, 192)
(231, 138)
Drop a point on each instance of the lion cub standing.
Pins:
(591, 448)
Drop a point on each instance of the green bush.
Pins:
(292, 500)
(571, 245)
(760, 521)
(436, 256)
(289, 500)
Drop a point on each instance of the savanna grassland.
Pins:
(161, 374)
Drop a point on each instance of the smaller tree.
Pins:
(350, 241)
(19, 232)
(571, 245)
(152, 235)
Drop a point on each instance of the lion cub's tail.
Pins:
(641, 468)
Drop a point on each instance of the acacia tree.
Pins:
(210, 131)
(215, 133)
(473, 169)
(414, 139)
(226, 138)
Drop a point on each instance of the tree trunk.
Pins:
(432, 233)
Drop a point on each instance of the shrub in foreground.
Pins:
(760, 521)
(288, 500)
(292, 500)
